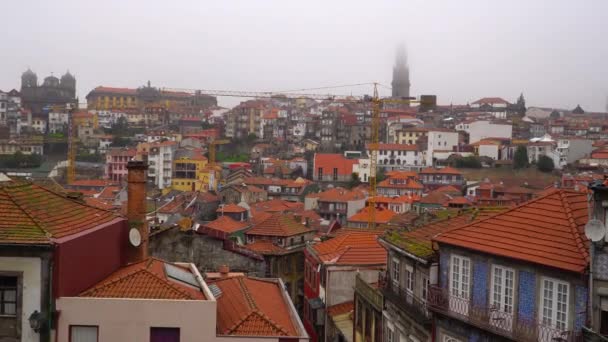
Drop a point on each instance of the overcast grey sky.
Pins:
(556, 52)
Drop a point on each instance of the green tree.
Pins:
(471, 162)
(520, 159)
(380, 175)
(545, 164)
(119, 142)
(354, 180)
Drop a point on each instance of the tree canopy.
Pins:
(520, 159)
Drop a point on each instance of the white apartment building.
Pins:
(440, 142)
(58, 121)
(160, 163)
(563, 151)
(399, 157)
(482, 129)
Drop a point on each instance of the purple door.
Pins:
(164, 334)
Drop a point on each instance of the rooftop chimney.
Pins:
(136, 209)
(224, 270)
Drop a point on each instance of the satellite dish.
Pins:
(134, 237)
(595, 230)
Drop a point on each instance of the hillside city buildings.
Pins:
(187, 221)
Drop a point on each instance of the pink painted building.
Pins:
(116, 163)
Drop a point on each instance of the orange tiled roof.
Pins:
(382, 215)
(109, 192)
(92, 182)
(32, 214)
(146, 279)
(338, 195)
(329, 161)
(277, 205)
(352, 247)
(410, 184)
(252, 307)
(278, 225)
(226, 224)
(265, 247)
(418, 241)
(448, 189)
(402, 174)
(340, 309)
(112, 90)
(97, 203)
(548, 230)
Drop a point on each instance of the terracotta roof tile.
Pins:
(146, 279)
(352, 247)
(226, 224)
(418, 241)
(252, 307)
(338, 195)
(265, 247)
(409, 184)
(382, 215)
(330, 161)
(33, 214)
(340, 309)
(548, 230)
(278, 225)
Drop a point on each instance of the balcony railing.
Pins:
(415, 307)
(491, 319)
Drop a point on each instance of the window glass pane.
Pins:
(10, 295)
(10, 309)
(83, 333)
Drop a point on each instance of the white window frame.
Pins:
(390, 332)
(502, 296)
(426, 283)
(460, 282)
(553, 310)
(395, 271)
(500, 283)
(409, 278)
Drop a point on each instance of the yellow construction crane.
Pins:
(425, 101)
(71, 167)
(212, 146)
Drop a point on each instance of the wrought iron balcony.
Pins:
(498, 322)
(413, 306)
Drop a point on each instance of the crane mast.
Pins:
(373, 151)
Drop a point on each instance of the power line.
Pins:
(327, 87)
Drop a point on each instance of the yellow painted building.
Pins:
(409, 136)
(191, 172)
(85, 119)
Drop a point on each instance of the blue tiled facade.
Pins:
(527, 295)
(580, 306)
(480, 284)
(444, 266)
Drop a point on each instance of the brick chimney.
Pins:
(136, 209)
(224, 270)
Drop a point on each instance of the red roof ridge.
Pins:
(101, 285)
(466, 240)
(573, 226)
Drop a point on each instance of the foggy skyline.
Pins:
(555, 52)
